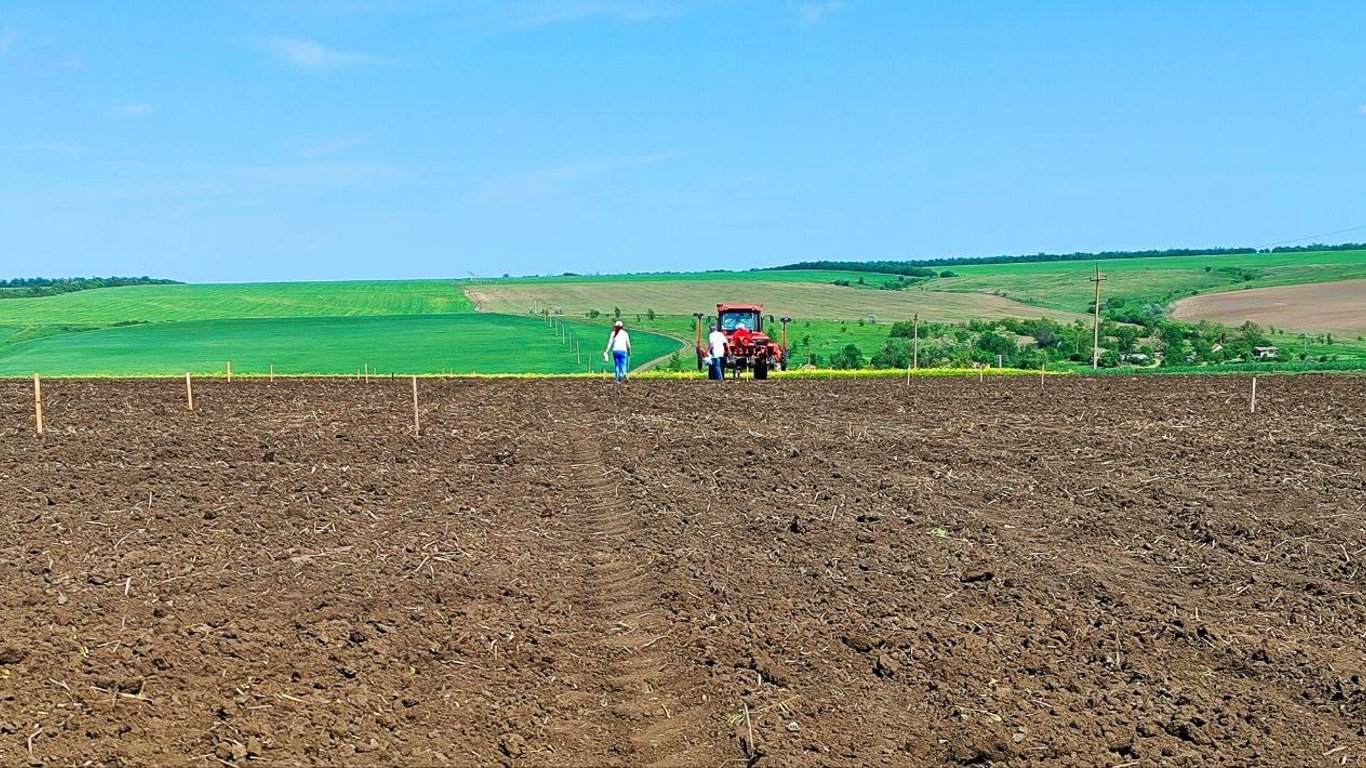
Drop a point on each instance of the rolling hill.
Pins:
(432, 326)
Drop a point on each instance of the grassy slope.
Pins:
(1064, 285)
(36, 333)
(165, 303)
(784, 297)
(401, 344)
(789, 276)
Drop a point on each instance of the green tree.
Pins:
(848, 358)
(894, 354)
(995, 344)
(1252, 334)
(1126, 336)
(903, 329)
(1173, 338)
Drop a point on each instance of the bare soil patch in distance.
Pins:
(1079, 572)
(1338, 306)
(778, 297)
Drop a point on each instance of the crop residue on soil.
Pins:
(1074, 572)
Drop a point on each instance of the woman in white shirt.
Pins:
(619, 348)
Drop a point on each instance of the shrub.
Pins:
(849, 357)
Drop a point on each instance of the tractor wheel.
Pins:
(761, 370)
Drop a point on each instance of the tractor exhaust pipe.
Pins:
(701, 351)
(785, 321)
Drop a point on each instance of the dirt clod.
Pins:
(972, 577)
(512, 745)
(886, 666)
(12, 654)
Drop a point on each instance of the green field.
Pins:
(466, 343)
(178, 303)
(432, 326)
(1065, 285)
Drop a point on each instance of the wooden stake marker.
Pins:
(1253, 408)
(38, 401)
(1095, 328)
(189, 393)
(915, 343)
(417, 425)
(367, 373)
(229, 371)
(272, 373)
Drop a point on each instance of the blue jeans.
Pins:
(718, 368)
(620, 364)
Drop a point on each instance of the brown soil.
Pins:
(780, 297)
(1083, 572)
(1338, 306)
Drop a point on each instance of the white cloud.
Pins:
(1361, 110)
(132, 111)
(809, 14)
(8, 38)
(310, 55)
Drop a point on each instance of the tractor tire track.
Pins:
(639, 695)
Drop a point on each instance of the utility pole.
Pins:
(1095, 337)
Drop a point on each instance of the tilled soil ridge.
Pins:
(1074, 572)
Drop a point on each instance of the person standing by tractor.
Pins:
(619, 350)
(716, 354)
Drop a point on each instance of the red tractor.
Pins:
(748, 348)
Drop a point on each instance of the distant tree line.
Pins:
(1318, 247)
(30, 287)
(916, 267)
(906, 267)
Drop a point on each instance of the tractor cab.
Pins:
(729, 318)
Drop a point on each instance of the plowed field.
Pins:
(1338, 306)
(1081, 572)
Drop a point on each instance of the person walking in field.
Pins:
(619, 350)
(716, 355)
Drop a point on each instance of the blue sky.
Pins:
(289, 139)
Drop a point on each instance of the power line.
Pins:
(1311, 237)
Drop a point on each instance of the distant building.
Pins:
(1265, 353)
